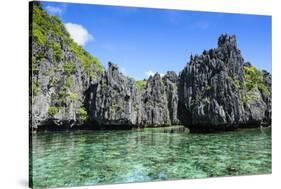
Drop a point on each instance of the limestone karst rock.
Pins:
(215, 92)
(69, 88)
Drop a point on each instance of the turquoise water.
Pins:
(106, 157)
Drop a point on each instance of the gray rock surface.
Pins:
(212, 91)
(267, 98)
(257, 105)
(115, 101)
(55, 88)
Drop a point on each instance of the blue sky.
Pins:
(144, 41)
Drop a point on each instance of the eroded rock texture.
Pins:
(116, 101)
(213, 90)
(155, 105)
(58, 86)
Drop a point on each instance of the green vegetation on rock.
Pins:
(69, 67)
(53, 80)
(53, 110)
(35, 87)
(87, 60)
(245, 98)
(62, 96)
(57, 51)
(44, 25)
(82, 113)
(235, 82)
(73, 96)
(254, 79)
(140, 84)
(68, 82)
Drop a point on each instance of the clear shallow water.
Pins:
(105, 157)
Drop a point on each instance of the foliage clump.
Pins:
(57, 49)
(68, 82)
(73, 96)
(140, 84)
(69, 67)
(254, 79)
(34, 87)
(82, 113)
(53, 110)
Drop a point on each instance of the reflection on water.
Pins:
(104, 157)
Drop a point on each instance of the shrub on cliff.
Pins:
(53, 110)
(140, 84)
(254, 79)
(82, 113)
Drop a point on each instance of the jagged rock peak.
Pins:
(112, 66)
(171, 75)
(156, 76)
(247, 64)
(225, 40)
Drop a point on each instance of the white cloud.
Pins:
(78, 33)
(152, 73)
(54, 10)
(149, 73)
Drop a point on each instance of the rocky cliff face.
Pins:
(257, 98)
(60, 73)
(69, 88)
(115, 101)
(159, 101)
(217, 90)
(58, 91)
(267, 96)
